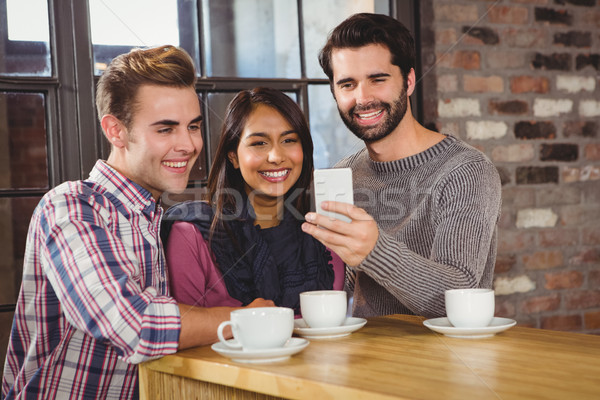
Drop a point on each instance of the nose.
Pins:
(363, 95)
(275, 155)
(187, 142)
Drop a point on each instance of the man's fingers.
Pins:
(327, 237)
(349, 210)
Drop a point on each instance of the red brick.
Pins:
(480, 35)
(578, 214)
(500, 60)
(508, 15)
(553, 16)
(562, 323)
(594, 279)
(511, 241)
(524, 84)
(525, 38)
(543, 260)
(576, 174)
(505, 308)
(591, 18)
(469, 60)
(540, 303)
(586, 256)
(558, 237)
(580, 128)
(555, 61)
(526, 175)
(592, 151)
(591, 235)
(507, 219)
(483, 84)
(518, 197)
(592, 320)
(456, 13)
(510, 107)
(445, 37)
(559, 152)
(564, 280)
(531, 1)
(583, 299)
(504, 263)
(558, 195)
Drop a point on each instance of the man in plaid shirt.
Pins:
(94, 300)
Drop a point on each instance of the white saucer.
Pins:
(442, 325)
(350, 325)
(293, 346)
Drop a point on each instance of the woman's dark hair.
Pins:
(363, 29)
(225, 179)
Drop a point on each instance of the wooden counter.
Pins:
(393, 357)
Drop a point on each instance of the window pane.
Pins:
(252, 38)
(217, 104)
(199, 170)
(23, 152)
(15, 214)
(321, 16)
(24, 38)
(118, 26)
(333, 141)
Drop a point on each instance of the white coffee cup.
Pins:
(259, 328)
(470, 308)
(323, 308)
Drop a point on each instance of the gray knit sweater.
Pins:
(437, 213)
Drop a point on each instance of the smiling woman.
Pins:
(245, 241)
(269, 157)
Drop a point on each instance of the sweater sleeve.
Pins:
(464, 214)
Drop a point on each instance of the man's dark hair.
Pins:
(363, 29)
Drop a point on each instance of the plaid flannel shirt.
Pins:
(94, 297)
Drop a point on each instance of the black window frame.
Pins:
(74, 137)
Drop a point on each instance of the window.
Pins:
(49, 132)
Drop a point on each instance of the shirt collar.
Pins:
(130, 193)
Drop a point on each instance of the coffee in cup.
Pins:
(470, 308)
(323, 308)
(259, 328)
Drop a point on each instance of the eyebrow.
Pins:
(372, 76)
(262, 134)
(170, 122)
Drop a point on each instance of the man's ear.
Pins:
(233, 158)
(411, 82)
(114, 130)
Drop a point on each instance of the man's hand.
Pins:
(352, 241)
(199, 324)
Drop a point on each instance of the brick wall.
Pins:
(519, 79)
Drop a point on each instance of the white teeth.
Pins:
(180, 164)
(276, 174)
(370, 115)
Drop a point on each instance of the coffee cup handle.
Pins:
(222, 325)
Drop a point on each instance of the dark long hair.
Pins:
(225, 179)
(363, 29)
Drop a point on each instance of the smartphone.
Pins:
(333, 184)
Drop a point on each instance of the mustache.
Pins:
(370, 106)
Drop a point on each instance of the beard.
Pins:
(395, 112)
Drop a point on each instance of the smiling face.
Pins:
(163, 141)
(370, 91)
(269, 155)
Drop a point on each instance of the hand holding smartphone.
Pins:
(333, 184)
